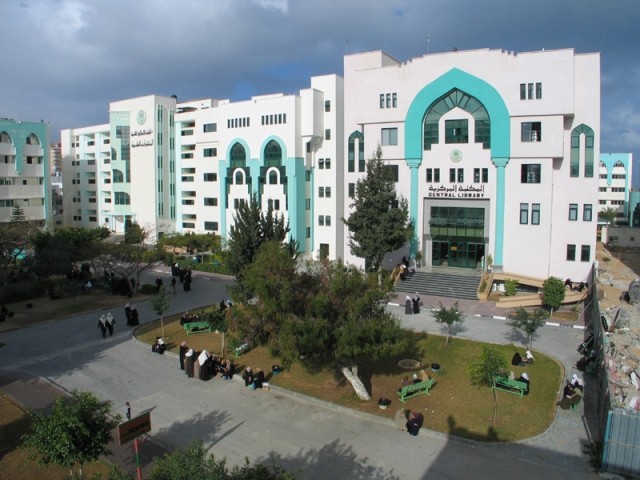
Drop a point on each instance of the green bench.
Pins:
(420, 388)
(511, 386)
(197, 327)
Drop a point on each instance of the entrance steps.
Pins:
(454, 283)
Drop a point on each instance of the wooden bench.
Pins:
(511, 386)
(420, 388)
(197, 327)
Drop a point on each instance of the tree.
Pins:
(15, 239)
(77, 431)
(608, 215)
(323, 315)
(528, 322)
(133, 233)
(448, 317)
(379, 222)
(17, 214)
(194, 463)
(492, 362)
(160, 304)
(252, 228)
(553, 291)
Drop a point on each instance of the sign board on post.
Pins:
(133, 428)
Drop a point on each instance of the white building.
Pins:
(24, 170)
(614, 185)
(494, 151)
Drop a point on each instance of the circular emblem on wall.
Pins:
(455, 155)
(142, 117)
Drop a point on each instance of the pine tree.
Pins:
(379, 222)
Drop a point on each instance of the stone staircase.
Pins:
(445, 283)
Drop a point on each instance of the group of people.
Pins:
(571, 393)
(520, 361)
(131, 312)
(254, 380)
(183, 274)
(106, 323)
(412, 304)
(159, 346)
(204, 365)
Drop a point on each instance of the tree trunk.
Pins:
(495, 405)
(351, 374)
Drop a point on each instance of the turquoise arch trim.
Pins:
(500, 140)
(223, 165)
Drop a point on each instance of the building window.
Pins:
(538, 91)
(324, 163)
(307, 204)
(210, 152)
(327, 105)
(210, 177)
(456, 173)
(587, 212)
(530, 173)
(210, 202)
(456, 131)
(452, 175)
(573, 212)
(585, 253)
(389, 136)
(321, 192)
(394, 172)
(210, 127)
(388, 100)
(382, 100)
(352, 190)
(535, 214)
(211, 226)
(433, 175)
(308, 232)
(321, 220)
(327, 134)
(524, 213)
(571, 253)
(394, 100)
(531, 132)
(461, 175)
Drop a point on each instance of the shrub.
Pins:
(510, 287)
(148, 289)
(606, 259)
(23, 290)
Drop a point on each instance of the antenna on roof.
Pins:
(427, 44)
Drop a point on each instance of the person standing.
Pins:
(127, 410)
(158, 284)
(183, 351)
(407, 305)
(134, 316)
(189, 361)
(127, 313)
(102, 325)
(416, 303)
(110, 322)
(173, 284)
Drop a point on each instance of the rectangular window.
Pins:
(389, 136)
(321, 192)
(327, 134)
(573, 212)
(524, 213)
(476, 175)
(571, 253)
(327, 192)
(461, 175)
(429, 175)
(382, 100)
(327, 105)
(585, 253)
(210, 202)
(211, 226)
(394, 100)
(530, 91)
(210, 177)
(531, 132)
(210, 127)
(523, 91)
(452, 175)
(535, 214)
(538, 91)
(321, 164)
(327, 220)
(352, 190)
(210, 152)
(485, 175)
(388, 100)
(307, 204)
(321, 220)
(530, 173)
(308, 232)
(587, 212)
(327, 163)
(394, 172)
(456, 131)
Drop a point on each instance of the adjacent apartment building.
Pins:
(614, 187)
(493, 150)
(24, 170)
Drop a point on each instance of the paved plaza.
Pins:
(310, 438)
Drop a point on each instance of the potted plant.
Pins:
(418, 259)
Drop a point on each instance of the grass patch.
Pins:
(454, 405)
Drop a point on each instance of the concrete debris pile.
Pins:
(622, 355)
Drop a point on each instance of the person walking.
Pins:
(173, 284)
(127, 410)
(110, 323)
(127, 313)
(134, 316)
(102, 325)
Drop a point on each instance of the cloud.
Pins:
(280, 5)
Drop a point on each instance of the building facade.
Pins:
(614, 185)
(493, 150)
(24, 170)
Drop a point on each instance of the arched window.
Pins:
(118, 176)
(238, 156)
(273, 154)
(619, 164)
(239, 177)
(457, 98)
(273, 177)
(588, 151)
(5, 138)
(352, 152)
(602, 164)
(32, 139)
(122, 198)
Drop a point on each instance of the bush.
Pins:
(510, 287)
(23, 290)
(148, 289)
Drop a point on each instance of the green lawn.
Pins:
(454, 405)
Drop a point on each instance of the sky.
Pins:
(64, 61)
